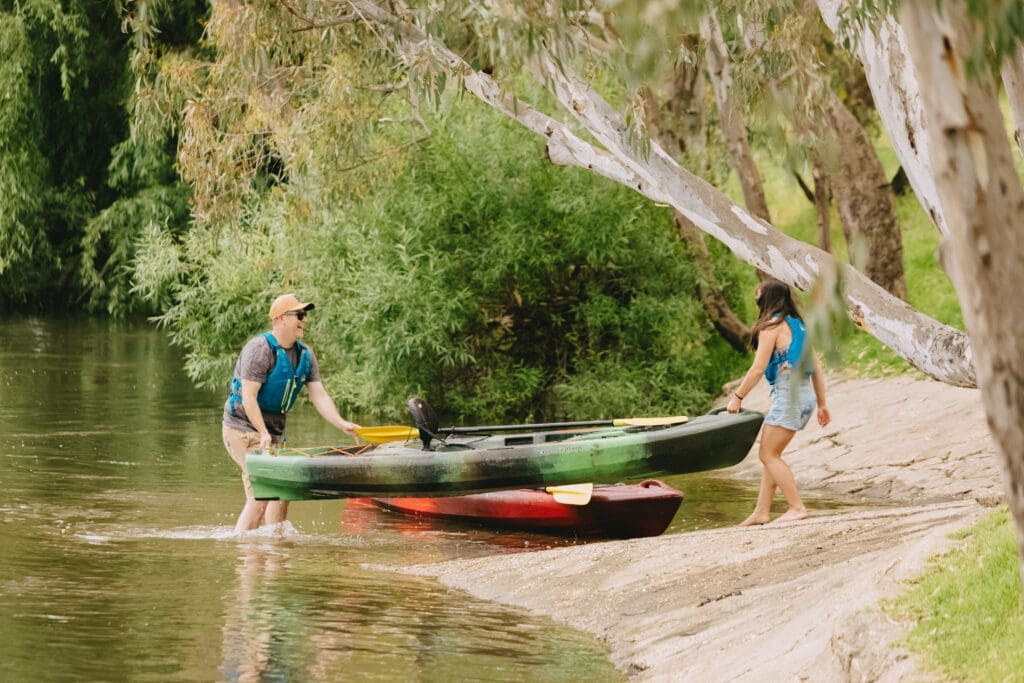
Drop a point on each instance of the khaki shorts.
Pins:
(238, 444)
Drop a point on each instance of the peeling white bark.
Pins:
(936, 349)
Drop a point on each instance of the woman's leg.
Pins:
(774, 440)
(763, 507)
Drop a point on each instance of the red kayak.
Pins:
(615, 511)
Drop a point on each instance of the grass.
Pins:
(966, 608)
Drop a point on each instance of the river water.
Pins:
(118, 559)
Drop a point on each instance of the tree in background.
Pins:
(504, 287)
(149, 195)
(78, 187)
(62, 75)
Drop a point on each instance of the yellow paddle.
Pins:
(386, 433)
(571, 494)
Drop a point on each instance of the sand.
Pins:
(791, 601)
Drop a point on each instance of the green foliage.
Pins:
(503, 287)
(22, 182)
(24, 193)
(69, 173)
(479, 276)
(58, 119)
(968, 622)
(108, 245)
(465, 268)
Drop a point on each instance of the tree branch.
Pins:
(937, 350)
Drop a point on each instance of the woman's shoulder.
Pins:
(769, 334)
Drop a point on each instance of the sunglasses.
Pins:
(301, 315)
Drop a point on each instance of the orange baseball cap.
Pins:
(288, 302)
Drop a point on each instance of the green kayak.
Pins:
(462, 464)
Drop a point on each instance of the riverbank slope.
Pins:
(778, 602)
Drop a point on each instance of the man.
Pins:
(271, 371)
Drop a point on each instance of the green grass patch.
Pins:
(967, 609)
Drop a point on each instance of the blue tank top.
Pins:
(788, 358)
(283, 384)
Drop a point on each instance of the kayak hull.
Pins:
(463, 465)
(617, 511)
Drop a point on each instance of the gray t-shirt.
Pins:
(255, 363)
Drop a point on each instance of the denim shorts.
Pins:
(793, 403)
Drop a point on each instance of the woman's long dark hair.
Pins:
(774, 303)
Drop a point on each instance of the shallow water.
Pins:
(118, 559)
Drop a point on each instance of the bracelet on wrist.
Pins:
(737, 396)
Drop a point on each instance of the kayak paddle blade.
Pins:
(387, 433)
(571, 494)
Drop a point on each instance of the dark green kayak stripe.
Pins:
(706, 442)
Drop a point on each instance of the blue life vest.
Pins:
(283, 384)
(788, 358)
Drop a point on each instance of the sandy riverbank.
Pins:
(796, 601)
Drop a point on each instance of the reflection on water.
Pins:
(118, 559)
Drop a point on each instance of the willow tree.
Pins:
(60, 115)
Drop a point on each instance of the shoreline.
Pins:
(780, 601)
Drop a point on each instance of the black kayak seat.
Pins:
(425, 418)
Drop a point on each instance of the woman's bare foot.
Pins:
(755, 520)
(793, 515)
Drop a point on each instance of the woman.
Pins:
(795, 375)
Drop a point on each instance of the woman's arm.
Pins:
(818, 380)
(765, 345)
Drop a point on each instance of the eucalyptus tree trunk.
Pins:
(1012, 71)
(733, 125)
(725, 320)
(864, 199)
(897, 97)
(822, 203)
(682, 131)
(679, 116)
(960, 142)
